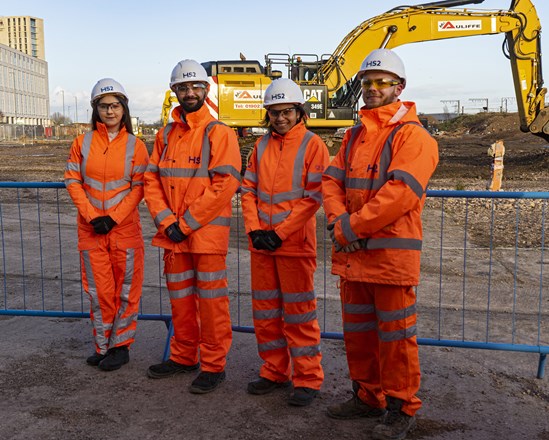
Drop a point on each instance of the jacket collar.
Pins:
(102, 130)
(194, 119)
(388, 115)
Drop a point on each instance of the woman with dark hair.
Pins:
(281, 192)
(104, 177)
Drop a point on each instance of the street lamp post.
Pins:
(75, 110)
(14, 101)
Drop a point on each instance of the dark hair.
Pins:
(266, 122)
(126, 119)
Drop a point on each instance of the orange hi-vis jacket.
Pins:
(374, 191)
(193, 173)
(106, 178)
(281, 189)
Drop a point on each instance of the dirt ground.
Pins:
(48, 392)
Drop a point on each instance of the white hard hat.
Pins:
(188, 71)
(383, 59)
(107, 86)
(283, 91)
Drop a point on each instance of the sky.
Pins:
(139, 42)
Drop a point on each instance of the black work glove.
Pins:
(259, 242)
(175, 233)
(102, 225)
(272, 238)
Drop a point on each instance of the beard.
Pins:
(192, 105)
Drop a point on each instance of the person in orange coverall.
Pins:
(193, 174)
(281, 192)
(374, 192)
(104, 177)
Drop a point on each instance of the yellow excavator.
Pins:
(329, 82)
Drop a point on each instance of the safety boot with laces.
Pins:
(116, 357)
(354, 408)
(396, 424)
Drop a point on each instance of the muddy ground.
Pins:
(48, 392)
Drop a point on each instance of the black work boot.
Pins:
(354, 408)
(169, 368)
(264, 386)
(302, 396)
(116, 357)
(396, 424)
(206, 382)
(95, 358)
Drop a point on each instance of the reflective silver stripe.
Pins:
(336, 173)
(71, 181)
(227, 170)
(95, 202)
(275, 219)
(139, 169)
(300, 318)
(137, 183)
(347, 230)
(353, 327)
(182, 293)
(363, 183)
(72, 166)
(412, 244)
(211, 276)
(125, 335)
(299, 297)
(191, 222)
(359, 309)
(250, 176)
(119, 324)
(180, 276)
(287, 196)
(409, 180)
(213, 293)
(261, 146)
(114, 184)
(161, 216)
(314, 177)
(221, 221)
(266, 294)
(167, 130)
(113, 201)
(247, 189)
(98, 325)
(396, 315)
(354, 133)
(92, 183)
(272, 345)
(315, 195)
(183, 172)
(398, 335)
(311, 350)
(267, 314)
(152, 168)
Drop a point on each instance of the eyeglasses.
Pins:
(186, 88)
(105, 107)
(285, 113)
(381, 83)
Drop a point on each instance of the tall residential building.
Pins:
(24, 88)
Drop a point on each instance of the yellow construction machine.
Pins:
(329, 82)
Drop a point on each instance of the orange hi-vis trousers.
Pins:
(112, 276)
(285, 321)
(198, 289)
(379, 328)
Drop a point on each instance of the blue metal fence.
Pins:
(483, 283)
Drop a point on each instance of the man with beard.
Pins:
(192, 176)
(374, 192)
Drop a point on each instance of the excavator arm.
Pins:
(437, 21)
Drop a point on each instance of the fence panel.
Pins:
(483, 283)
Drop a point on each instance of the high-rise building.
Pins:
(24, 88)
(25, 34)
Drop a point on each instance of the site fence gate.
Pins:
(484, 281)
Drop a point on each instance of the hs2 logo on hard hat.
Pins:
(278, 96)
(189, 75)
(107, 89)
(373, 63)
